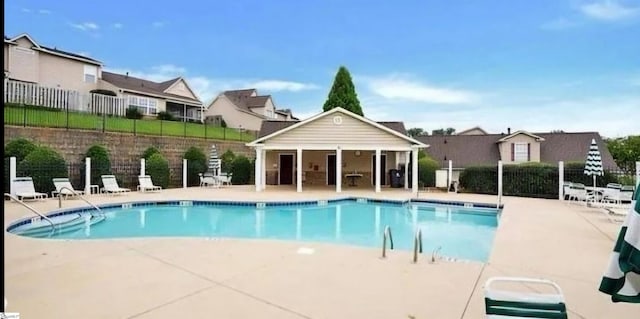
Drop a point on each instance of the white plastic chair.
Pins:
(63, 186)
(146, 184)
(24, 189)
(225, 178)
(209, 180)
(612, 194)
(578, 192)
(626, 193)
(502, 303)
(110, 185)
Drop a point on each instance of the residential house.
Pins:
(27, 61)
(245, 109)
(335, 148)
(476, 147)
(173, 96)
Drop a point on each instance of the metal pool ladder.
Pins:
(386, 235)
(53, 225)
(79, 196)
(417, 245)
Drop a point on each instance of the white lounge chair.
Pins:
(612, 194)
(110, 185)
(578, 192)
(24, 189)
(146, 184)
(64, 187)
(502, 303)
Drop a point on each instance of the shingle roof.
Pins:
(469, 150)
(132, 83)
(270, 127)
(79, 56)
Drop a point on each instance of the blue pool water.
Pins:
(465, 233)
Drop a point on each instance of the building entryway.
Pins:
(331, 169)
(286, 169)
(383, 165)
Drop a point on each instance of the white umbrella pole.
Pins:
(595, 195)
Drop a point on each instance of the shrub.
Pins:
(158, 169)
(134, 113)
(427, 171)
(227, 161)
(43, 164)
(19, 148)
(241, 170)
(166, 116)
(480, 179)
(150, 151)
(223, 123)
(100, 163)
(196, 164)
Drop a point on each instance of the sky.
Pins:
(571, 65)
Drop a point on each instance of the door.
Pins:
(383, 165)
(331, 169)
(286, 169)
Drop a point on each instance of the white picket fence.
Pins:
(57, 98)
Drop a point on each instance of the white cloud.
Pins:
(44, 11)
(26, 10)
(157, 24)
(118, 25)
(402, 88)
(207, 88)
(85, 26)
(608, 10)
(559, 24)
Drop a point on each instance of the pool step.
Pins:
(64, 224)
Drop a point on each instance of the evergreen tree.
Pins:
(343, 93)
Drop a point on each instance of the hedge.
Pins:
(241, 170)
(100, 163)
(427, 171)
(158, 169)
(196, 164)
(43, 165)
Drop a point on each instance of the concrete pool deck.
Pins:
(225, 278)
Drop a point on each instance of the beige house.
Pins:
(336, 147)
(173, 96)
(245, 109)
(27, 61)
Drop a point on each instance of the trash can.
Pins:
(395, 178)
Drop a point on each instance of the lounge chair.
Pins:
(146, 184)
(64, 187)
(626, 193)
(24, 189)
(110, 185)
(578, 192)
(508, 303)
(612, 194)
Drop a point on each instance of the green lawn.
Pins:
(34, 116)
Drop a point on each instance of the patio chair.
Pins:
(209, 180)
(225, 178)
(24, 189)
(566, 189)
(502, 303)
(626, 193)
(578, 192)
(64, 187)
(612, 194)
(110, 185)
(146, 184)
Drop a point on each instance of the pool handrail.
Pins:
(53, 225)
(386, 235)
(79, 196)
(417, 245)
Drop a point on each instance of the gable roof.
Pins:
(475, 128)
(270, 129)
(470, 150)
(54, 50)
(131, 83)
(534, 136)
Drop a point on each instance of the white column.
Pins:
(12, 175)
(142, 167)
(299, 170)
(184, 173)
(450, 175)
(338, 221)
(263, 179)
(560, 180)
(499, 183)
(377, 169)
(258, 169)
(414, 171)
(338, 170)
(406, 169)
(298, 223)
(87, 175)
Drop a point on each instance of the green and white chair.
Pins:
(503, 304)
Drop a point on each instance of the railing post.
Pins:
(499, 183)
(142, 167)
(184, 173)
(205, 130)
(450, 176)
(134, 126)
(24, 115)
(67, 116)
(104, 120)
(224, 133)
(560, 180)
(87, 176)
(161, 127)
(12, 175)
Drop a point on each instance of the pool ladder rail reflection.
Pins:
(386, 235)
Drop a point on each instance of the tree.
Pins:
(343, 93)
(416, 131)
(442, 131)
(625, 151)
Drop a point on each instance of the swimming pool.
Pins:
(460, 232)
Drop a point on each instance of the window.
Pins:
(520, 152)
(148, 106)
(90, 73)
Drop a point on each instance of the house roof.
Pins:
(469, 150)
(534, 136)
(54, 50)
(273, 128)
(131, 83)
(246, 99)
(478, 128)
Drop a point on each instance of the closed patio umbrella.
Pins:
(621, 280)
(214, 160)
(593, 165)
